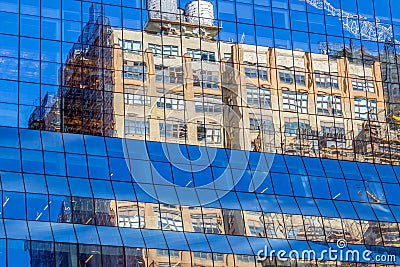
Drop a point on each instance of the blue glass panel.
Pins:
(313, 166)
(288, 205)
(10, 23)
(38, 207)
(261, 182)
(386, 173)
(218, 243)
(186, 196)
(238, 159)
(32, 161)
(157, 151)
(217, 156)
(282, 184)
(54, 163)
(182, 175)
(177, 154)
(364, 211)
(76, 165)
(396, 212)
(208, 198)
(301, 185)
(136, 149)
(102, 189)
(98, 167)
(327, 208)
(143, 196)
(198, 155)
(375, 192)
(95, 145)
(357, 190)
(14, 205)
(223, 178)
(3, 253)
(115, 147)
(141, 171)
(299, 245)
(203, 178)
(18, 253)
(350, 170)
(80, 187)
(57, 185)
(258, 244)
(279, 244)
(278, 164)
(63, 232)
(249, 201)
(154, 239)
(240, 245)
(383, 213)
(176, 240)
(268, 203)
(60, 209)
(260, 161)
(392, 193)
(161, 172)
(197, 242)
(338, 189)
(228, 200)
(30, 139)
(295, 165)
(35, 183)
(368, 171)
(74, 143)
(396, 169)
(132, 237)
(12, 181)
(119, 170)
(242, 179)
(9, 136)
(40, 231)
(319, 187)
(16, 229)
(307, 206)
(167, 194)
(124, 191)
(52, 141)
(10, 159)
(86, 234)
(345, 210)
(2, 229)
(109, 236)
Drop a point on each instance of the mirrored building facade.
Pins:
(199, 133)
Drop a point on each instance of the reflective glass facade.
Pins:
(199, 133)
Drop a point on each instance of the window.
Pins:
(206, 79)
(164, 50)
(209, 133)
(261, 74)
(197, 54)
(129, 46)
(366, 86)
(136, 126)
(173, 130)
(364, 109)
(265, 124)
(134, 70)
(294, 127)
(258, 96)
(169, 220)
(227, 56)
(211, 104)
(332, 134)
(136, 96)
(329, 105)
(326, 81)
(169, 74)
(170, 101)
(293, 101)
(289, 78)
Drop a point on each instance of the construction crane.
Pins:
(358, 25)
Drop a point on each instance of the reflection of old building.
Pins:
(164, 88)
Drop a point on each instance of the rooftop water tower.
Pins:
(200, 12)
